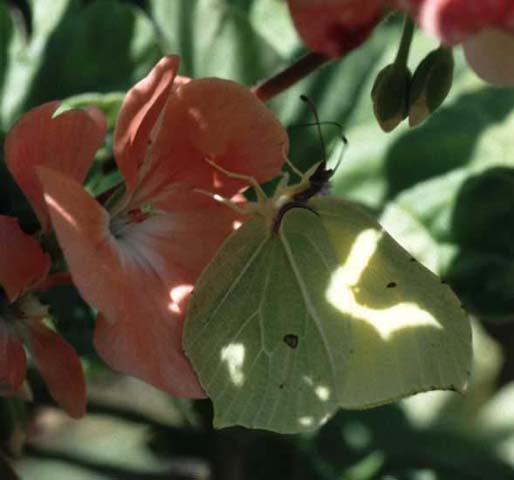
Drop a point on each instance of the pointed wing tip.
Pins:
(219, 423)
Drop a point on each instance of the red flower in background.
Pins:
(137, 261)
(335, 27)
(485, 29)
(453, 21)
(24, 267)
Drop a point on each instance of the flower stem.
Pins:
(405, 42)
(286, 78)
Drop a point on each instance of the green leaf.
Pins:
(272, 20)
(468, 216)
(485, 204)
(6, 34)
(214, 38)
(108, 103)
(284, 328)
(404, 451)
(25, 56)
(103, 46)
(103, 174)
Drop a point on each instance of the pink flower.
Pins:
(485, 29)
(24, 266)
(137, 260)
(335, 27)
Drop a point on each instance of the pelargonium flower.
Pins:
(136, 259)
(335, 27)
(35, 141)
(485, 29)
(24, 267)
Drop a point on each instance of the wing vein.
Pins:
(310, 307)
(237, 279)
(217, 350)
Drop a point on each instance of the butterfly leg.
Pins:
(243, 209)
(261, 195)
(292, 166)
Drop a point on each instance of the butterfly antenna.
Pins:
(331, 123)
(314, 111)
(343, 149)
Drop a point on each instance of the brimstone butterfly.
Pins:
(311, 306)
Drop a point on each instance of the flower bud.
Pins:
(390, 95)
(430, 84)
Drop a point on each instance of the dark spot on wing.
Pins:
(391, 284)
(443, 282)
(291, 340)
(281, 386)
(412, 259)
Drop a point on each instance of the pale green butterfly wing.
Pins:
(284, 328)
(409, 331)
(244, 305)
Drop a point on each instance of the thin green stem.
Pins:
(403, 51)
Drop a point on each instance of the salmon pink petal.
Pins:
(13, 363)
(335, 27)
(136, 276)
(23, 262)
(66, 142)
(172, 249)
(218, 120)
(180, 80)
(59, 366)
(82, 228)
(138, 114)
(488, 53)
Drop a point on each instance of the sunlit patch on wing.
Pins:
(233, 355)
(322, 392)
(344, 285)
(385, 321)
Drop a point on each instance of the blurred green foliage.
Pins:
(445, 190)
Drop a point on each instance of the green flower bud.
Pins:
(390, 95)
(430, 85)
